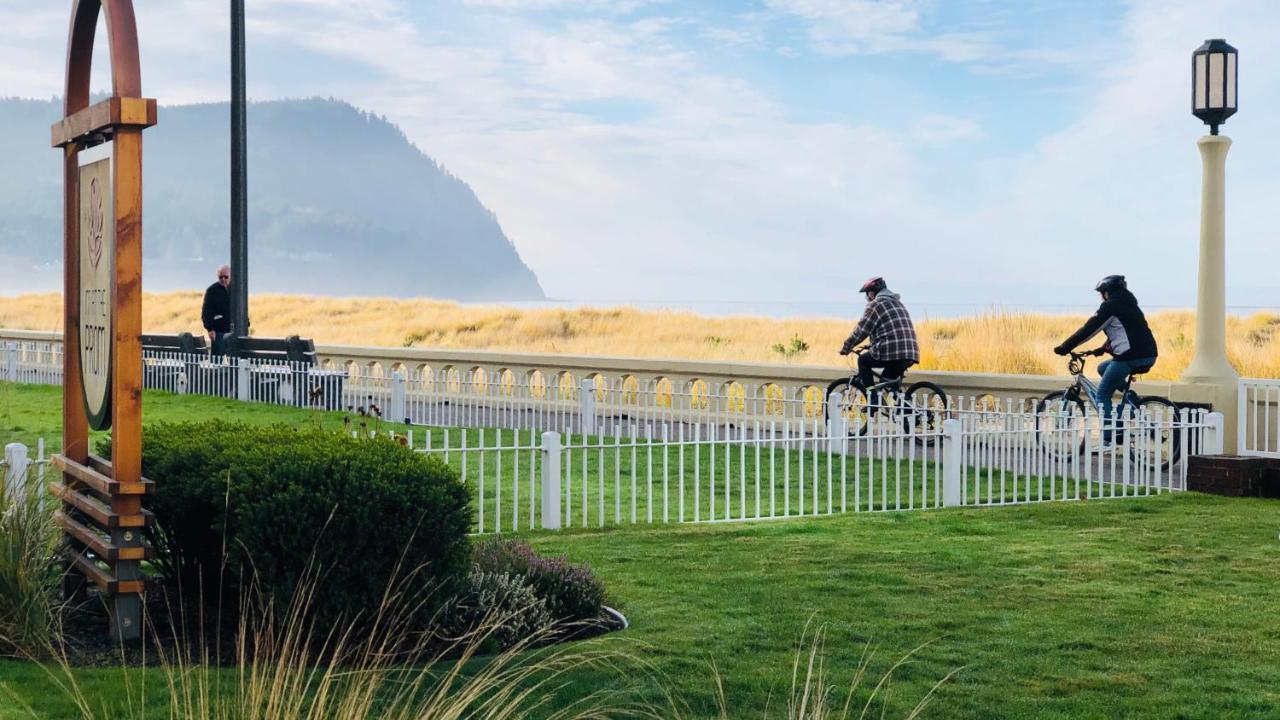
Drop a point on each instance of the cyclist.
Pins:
(893, 338)
(1129, 340)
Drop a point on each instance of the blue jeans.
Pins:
(1114, 373)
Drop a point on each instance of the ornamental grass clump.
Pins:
(291, 666)
(813, 695)
(28, 574)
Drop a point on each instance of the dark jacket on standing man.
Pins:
(216, 311)
(1128, 335)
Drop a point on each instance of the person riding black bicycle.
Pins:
(893, 338)
(1129, 340)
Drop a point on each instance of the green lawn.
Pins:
(1146, 608)
(31, 412)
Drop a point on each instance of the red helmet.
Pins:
(874, 285)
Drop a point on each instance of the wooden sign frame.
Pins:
(102, 514)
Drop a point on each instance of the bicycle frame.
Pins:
(1083, 384)
(893, 385)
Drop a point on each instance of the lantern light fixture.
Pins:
(1213, 83)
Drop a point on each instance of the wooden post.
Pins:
(102, 512)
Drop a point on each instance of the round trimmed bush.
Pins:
(237, 503)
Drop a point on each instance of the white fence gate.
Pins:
(1258, 431)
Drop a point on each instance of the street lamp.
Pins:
(1213, 100)
(1213, 83)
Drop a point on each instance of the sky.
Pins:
(777, 151)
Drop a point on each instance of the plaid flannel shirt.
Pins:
(888, 324)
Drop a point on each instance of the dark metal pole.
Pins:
(239, 179)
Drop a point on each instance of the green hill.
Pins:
(340, 202)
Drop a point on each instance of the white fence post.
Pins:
(11, 362)
(837, 424)
(1242, 418)
(15, 468)
(398, 411)
(951, 444)
(1213, 436)
(551, 480)
(242, 380)
(587, 407)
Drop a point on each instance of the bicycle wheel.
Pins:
(1157, 441)
(1060, 426)
(924, 409)
(852, 406)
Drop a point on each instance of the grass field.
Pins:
(995, 342)
(1153, 608)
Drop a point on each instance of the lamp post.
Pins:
(1213, 100)
(239, 179)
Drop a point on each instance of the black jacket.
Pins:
(1126, 327)
(216, 311)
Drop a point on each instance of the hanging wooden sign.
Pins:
(97, 281)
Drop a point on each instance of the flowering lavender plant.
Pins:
(572, 592)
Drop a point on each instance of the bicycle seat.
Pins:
(1140, 371)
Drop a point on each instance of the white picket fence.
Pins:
(657, 472)
(1259, 412)
(563, 451)
(22, 472)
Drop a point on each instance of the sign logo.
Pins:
(97, 283)
(97, 220)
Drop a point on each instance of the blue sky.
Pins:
(645, 150)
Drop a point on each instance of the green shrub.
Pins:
(496, 610)
(28, 571)
(572, 592)
(235, 502)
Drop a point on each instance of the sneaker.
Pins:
(1105, 447)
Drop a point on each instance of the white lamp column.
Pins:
(1210, 363)
(1214, 71)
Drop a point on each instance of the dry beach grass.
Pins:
(994, 342)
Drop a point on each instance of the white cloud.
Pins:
(852, 27)
(715, 190)
(1118, 190)
(936, 130)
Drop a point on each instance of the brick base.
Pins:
(1234, 476)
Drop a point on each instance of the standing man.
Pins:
(893, 338)
(216, 311)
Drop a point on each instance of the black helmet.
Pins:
(1111, 283)
(874, 285)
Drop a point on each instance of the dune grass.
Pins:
(993, 342)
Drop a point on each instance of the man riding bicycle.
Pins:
(893, 338)
(1129, 340)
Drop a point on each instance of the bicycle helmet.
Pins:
(1111, 283)
(874, 285)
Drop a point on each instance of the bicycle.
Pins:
(1133, 418)
(921, 408)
